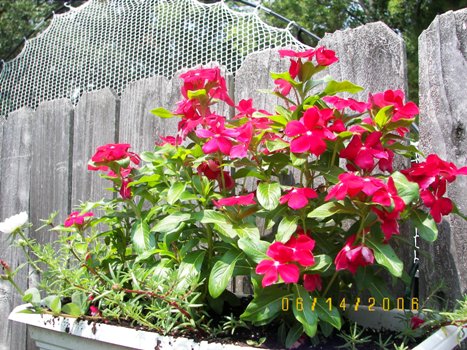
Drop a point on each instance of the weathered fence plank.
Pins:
(14, 191)
(372, 56)
(138, 126)
(95, 124)
(253, 75)
(443, 123)
(51, 163)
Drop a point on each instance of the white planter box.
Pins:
(62, 333)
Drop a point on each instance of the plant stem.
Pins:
(330, 283)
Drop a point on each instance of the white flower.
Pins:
(14, 222)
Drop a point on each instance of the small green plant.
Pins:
(354, 338)
(233, 323)
(384, 344)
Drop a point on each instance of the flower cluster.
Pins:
(304, 201)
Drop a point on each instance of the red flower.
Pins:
(351, 257)
(298, 198)
(236, 200)
(416, 322)
(325, 57)
(301, 249)
(220, 138)
(312, 282)
(439, 205)
(94, 311)
(75, 218)
(425, 173)
(212, 171)
(280, 266)
(363, 154)
(110, 153)
(311, 131)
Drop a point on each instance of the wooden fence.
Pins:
(44, 152)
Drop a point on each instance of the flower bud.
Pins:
(116, 287)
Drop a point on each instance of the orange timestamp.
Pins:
(356, 304)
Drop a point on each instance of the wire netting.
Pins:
(108, 43)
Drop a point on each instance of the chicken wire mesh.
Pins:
(108, 43)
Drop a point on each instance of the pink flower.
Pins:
(245, 107)
(341, 103)
(301, 246)
(312, 282)
(94, 311)
(76, 218)
(351, 257)
(279, 266)
(308, 54)
(244, 136)
(310, 131)
(220, 138)
(325, 57)
(352, 185)
(110, 153)
(395, 98)
(171, 140)
(235, 200)
(297, 198)
(283, 86)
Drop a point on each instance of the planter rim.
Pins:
(117, 335)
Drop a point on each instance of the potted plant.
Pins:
(303, 202)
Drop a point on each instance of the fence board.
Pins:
(443, 122)
(15, 175)
(95, 124)
(52, 146)
(138, 126)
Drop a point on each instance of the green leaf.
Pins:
(284, 112)
(53, 303)
(248, 172)
(293, 335)
(162, 112)
(425, 224)
(333, 87)
(222, 271)
(329, 316)
(265, 306)
(189, 270)
(286, 229)
(254, 249)
(170, 222)
(326, 210)
(304, 314)
(211, 217)
(175, 191)
(196, 93)
(32, 296)
(385, 255)
(383, 116)
(276, 145)
(141, 237)
(268, 195)
(407, 190)
(71, 309)
(322, 263)
(285, 76)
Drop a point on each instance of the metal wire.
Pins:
(109, 44)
